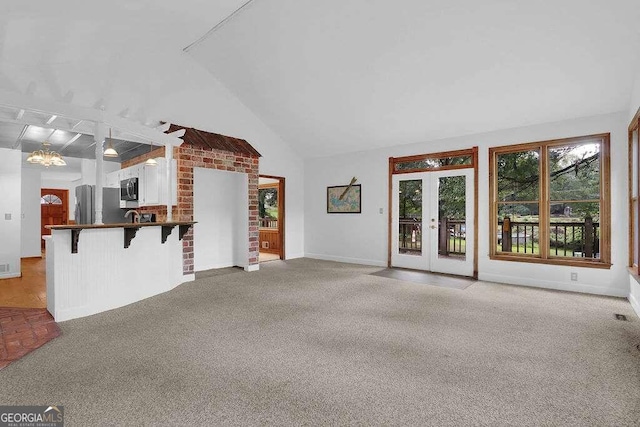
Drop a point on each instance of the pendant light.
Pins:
(110, 151)
(151, 161)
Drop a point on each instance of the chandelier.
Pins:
(46, 157)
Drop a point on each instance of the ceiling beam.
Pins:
(178, 133)
(82, 127)
(19, 140)
(69, 111)
(163, 127)
(71, 141)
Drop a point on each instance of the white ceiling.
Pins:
(330, 76)
(335, 76)
(120, 54)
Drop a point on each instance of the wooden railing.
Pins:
(268, 223)
(451, 236)
(410, 235)
(578, 239)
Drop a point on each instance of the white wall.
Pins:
(241, 221)
(635, 98)
(88, 170)
(31, 217)
(10, 205)
(363, 238)
(220, 207)
(204, 103)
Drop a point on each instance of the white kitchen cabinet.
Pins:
(149, 185)
(152, 183)
(112, 180)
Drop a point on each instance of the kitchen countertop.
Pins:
(119, 225)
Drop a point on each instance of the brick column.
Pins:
(189, 156)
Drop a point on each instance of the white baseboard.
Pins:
(252, 267)
(187, 278)
(10, 275)
(558, 286)
(635, 304)
(294, 256)
(347, 260)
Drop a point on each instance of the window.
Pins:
(422, 163)
(50, 199)
(550, 202)
(268, 206)
(634, 165)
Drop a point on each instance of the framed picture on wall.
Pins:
(344, 199)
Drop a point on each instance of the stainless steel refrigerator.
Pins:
(85, 205)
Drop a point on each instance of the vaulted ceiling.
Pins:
(335, 76)
(332, 76)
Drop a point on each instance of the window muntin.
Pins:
(556, 214)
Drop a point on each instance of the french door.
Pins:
(432, 221)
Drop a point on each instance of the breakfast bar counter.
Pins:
(93, 268)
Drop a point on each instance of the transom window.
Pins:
(50, 199)
(438, 161)
(550, 201)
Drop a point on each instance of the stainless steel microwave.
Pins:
(129, 189)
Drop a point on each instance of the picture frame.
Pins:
(351, 203)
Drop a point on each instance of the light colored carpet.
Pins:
(427, 278)
(316, 343)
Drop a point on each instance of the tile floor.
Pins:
(28, 291)
(23, 330)
(264, 257)
(25, 323)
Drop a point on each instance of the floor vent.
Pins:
(621, 317)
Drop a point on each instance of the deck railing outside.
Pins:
(451, 240)
(268, 223)
(570, 239)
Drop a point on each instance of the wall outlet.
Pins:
(7, 217)
(381, 210)
(574, 277)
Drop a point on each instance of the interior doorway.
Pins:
(271, 217)
(53, 209)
